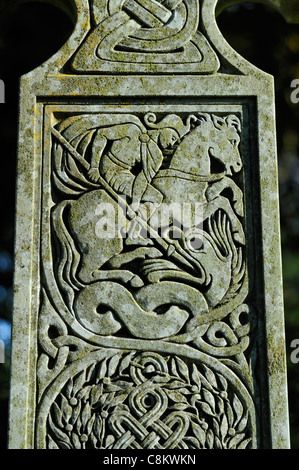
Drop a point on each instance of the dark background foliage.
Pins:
(31, 33)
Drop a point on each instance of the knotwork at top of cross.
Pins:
(149, 37)
(145, 36)
(153, 37)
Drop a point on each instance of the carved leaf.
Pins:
(89, 372)
(196, 376)
(86, 414)
(66, 409)
(194, 443)
(235, 441)
(57, 414)
(216, 427)
(103, 399)
(79, 425)
(76, 441)
(210, 377)
(173, 368)
(103, 370)
(52, 444)
(244, 444)
(223, 382)
(209, 398)
(79, 381)
(238, 407)
(217, 443)
(84, 393)
(76, 413)
(126, 362)
(109, 441)
(61, 436)
(210, 439)
(69, 389)
(229, 414)
(113, 363)
(179, 406)
(223, 427)
(220, 405)
(90, 424)
(205, 408)
(64, 445)
(95, 394)
(176, 396)
(199, 433)
(183, 368)
(243, 422)
(97, 428)
(175, 384)
(109, 400)
(119, 399)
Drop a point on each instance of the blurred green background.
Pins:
(31, 33)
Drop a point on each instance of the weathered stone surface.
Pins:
(148, 299)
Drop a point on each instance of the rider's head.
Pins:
(171, 127)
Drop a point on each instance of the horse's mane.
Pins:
(220, 123)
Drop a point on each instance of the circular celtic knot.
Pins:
(149, 401)
(143, 429)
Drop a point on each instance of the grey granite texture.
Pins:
(148, 306)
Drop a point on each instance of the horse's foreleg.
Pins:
(139, 253)
(223, 203)
(174, 275)
(121, 275)
(216, 188)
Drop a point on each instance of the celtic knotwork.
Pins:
(148, 36)
(145, 400)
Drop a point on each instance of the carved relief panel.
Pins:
(154, 263)
(144, 249)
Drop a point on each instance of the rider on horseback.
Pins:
(128, 156)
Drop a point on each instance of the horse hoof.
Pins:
(240, 237)
(136, 281)
(238, 207)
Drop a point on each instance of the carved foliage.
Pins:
(145, 400)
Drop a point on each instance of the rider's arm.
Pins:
(113, 134)
(139, 187)
(98, 147)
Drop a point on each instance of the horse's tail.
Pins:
(224, 246)
(66, 254)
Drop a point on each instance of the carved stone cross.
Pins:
(148, 301)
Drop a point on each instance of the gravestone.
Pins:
(148, 307)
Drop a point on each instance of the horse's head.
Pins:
(223, 137)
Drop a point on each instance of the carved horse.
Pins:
(189, 177)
